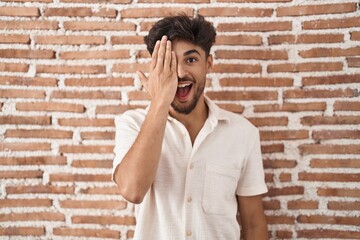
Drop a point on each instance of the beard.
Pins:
(186, 108)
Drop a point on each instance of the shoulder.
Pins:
(238, 121)
(133, 116)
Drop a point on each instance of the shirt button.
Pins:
(188, 233)
(191, 166)
(189, 199)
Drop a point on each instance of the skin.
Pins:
(170, 62)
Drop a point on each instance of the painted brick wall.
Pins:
(67, 68)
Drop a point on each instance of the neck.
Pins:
(194, 120)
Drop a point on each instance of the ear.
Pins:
(209, 63)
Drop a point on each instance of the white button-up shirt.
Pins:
(194, 192)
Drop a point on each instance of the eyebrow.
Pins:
(191, 51)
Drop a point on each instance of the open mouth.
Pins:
(183, 90)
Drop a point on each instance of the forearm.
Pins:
(137, 170)
(259, 232)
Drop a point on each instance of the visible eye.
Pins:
(191, 60)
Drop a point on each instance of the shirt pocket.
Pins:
(220, 184)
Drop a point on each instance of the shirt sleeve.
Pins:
(125, 135)
(252, 179)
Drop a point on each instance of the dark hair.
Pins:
(195, 30)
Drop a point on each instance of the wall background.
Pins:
(67, 68)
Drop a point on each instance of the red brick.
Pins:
(269, 178)
(305, 67)
(29, 54)
(336, 120)
(20, 174)
(99, 26)
(18, 146)
(22, 231)
(346, 106)
(41, 160)
(291, 107)
(329, 219)
(42, 1)
(236, 108)
(86, 122)
(104, 220)
(336, 134)
(39, 189)
(105, 12)
(25, 81)
(130, 234)
(92, 163)
(29, 25)
(255, 27)
(251, 40)
(241, 95)
(155, 12)
(174, 1)
(15, 38)
(38, 133)
(127, 40)
(271, 163)
(251, 54)
(235, 12)
(14, 93)
(19, 11)
(96, 1)
(254, 1)
(256, 82)
(330, 52)
(97, 135)
(281, 219)
(85, 232)
(302, 204)
(284, 135)
(305, 39)
(283, 234)
(328, 177)
(310, 93)
(146, 26)
(18, 120)
(338, 192)
(274, 148)
(67, 177)
(237, 68)
(86, 95)
(14, 67)
(271, 205)
(116, 109)
(15, 203)
(329, 149)
(100, 82)
(355, 36)
(69, 40)
(34, 216)
(327, 233)
(330, 80)
(107, 54)
(269, 121)
(138, 95)
(353, 62)
(86, 149)
(332, 23)
(50, 107)
(335, 163)
(61, 69)
(68, 12)
(316, 9)
(101, 190)
(100, 204)
(285, 191)
(130, 68)
(285, 177)
(344, 206)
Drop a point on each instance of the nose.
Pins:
(181, 70)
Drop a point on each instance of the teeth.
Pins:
(181, 85)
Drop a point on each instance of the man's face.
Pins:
(192, 67)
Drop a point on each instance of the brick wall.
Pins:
(67, 68)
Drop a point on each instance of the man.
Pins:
(189, 165)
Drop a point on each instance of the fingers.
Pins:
(155, 55)
(161, 54)
(167, 61)
(173, 62)
(142, 77)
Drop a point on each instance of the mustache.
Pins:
(185, 79)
